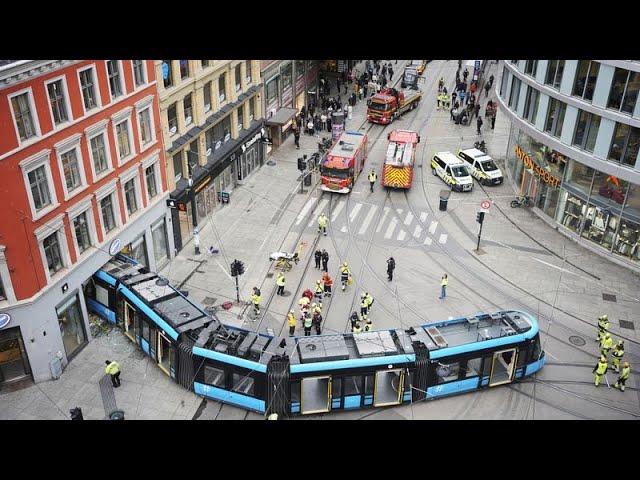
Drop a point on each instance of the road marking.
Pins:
(432, 227)
(423, 217)
(402, 234)
(367, 220)
(391, 227)
(443, 238)
(304, 210)
(408, 219)
(547, 352)
(417, 231)
(354, 212)
(427, 241)
(344, 229)
(316, 213)
(399, 211)
(384, 216)
(337, 210)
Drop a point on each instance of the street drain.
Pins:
(578, 341)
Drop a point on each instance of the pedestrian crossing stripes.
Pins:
(316, 213)
(367, 220)
(443, 238)
(391, 227)
(384, 217)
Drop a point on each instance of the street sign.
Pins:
(485, 205)
(115, 247)
(172, 203)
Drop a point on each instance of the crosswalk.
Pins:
(365, 218)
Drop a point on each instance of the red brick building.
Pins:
(82, 175)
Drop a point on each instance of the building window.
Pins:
(188, 112)
(624, 145)
(238, 77)
(71, 170)
(130, 196)
(532, 100)
(57, 101)
(39, 185)
(167, 73)
(554, 73)
(81, 227)
(71, 326)
(226, 128)
(247, 71)
(206, 93)
(108, 213)
(205, 63)
(184, 68)
(150, 176)
(87, 85)
(252, 109)
(172, 117)
(530, 67)
(586, 76)
(299, 68)
(272, 91)
(221, 87)
(178, 169)
(3, 295)
(139, 73)
(146, 129)
(115, 81)
(241, 117)
(52, 253)
(99, 154)
(515, 93)
(555, 117)
(160, 244)
(586, 132)
(22, 115)
(124, 143)
(624, 90)
(503, 84)
(287, 75)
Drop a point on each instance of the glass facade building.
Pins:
(574, 147)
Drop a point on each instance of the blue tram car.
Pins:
(317, 374)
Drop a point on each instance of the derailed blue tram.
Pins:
(318, 374)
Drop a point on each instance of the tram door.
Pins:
(389, 387)
(315, 395)
(130, 322)
(502, 367)
(164, 353)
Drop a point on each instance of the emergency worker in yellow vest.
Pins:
(291, 318)
(256, 299)
(113, 370)
(603, 326)
(280, 284)
(618, 352)
(600, 369)
(372, 178)
(622, 379)
(606, 344)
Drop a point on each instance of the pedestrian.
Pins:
(476, 109)
(443, 285)
(493, 120)
(391, 265)
(292, 322)
(372, 179)
(307, 325)
(296, 138)
(600, 369)
(322, 224)
(624, 376)
(280, 284)
(491, 81)
(354, 319)
(618, 352)
(454, 95)
(113, 369)
(603, 326)
(318, 258)
(487, 87)
(328, 283)
(465, 74)
(364, 306)
(317, 322)
(325, 260)
(356, 328)
(310, 127)
(606, 344)
(345, 274)
(369, 300)
(479, 123)
(318, 290)
(390, 74)
(255, 300)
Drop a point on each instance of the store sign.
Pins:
(5, 318)
(255, 138)
(539, 171)
(203, 183)
(115, 247)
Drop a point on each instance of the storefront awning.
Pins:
(282, 116)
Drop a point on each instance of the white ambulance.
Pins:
(481, 166)
(452, 171)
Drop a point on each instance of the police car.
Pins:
(481, 166)
(452, 171)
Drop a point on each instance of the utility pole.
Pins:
(480, 220)
(237, 269)
(192, 192)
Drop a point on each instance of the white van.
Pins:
(481, 166)
(452, 171)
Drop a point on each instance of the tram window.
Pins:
(486, 367)
(368, 385)
(447, 372)
(336, 387)
(536, 348)
(473, 367)
(102, 295)
(352, 385)
(214, 376)
(242, 384)
(523, 356)
(295, 391)
(145, 329)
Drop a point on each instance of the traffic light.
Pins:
(480, 217)
(301, 164)
(237, 268)
(234, 272)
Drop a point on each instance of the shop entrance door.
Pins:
(14, 363)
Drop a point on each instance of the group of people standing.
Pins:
(606, 344)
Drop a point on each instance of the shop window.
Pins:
(530, 67)
(13, 359)
(586, 132)
(71, 325)
(609, 191)
(532, 100)
(624, 90)
(632, 202)
(625, 144)
(573, 211)
(600, 226)
(243, 384)
(548, 201)
(503, 84)
(554, 73)
(579, 176)
(627, 241)
(160, 244)
(586, 76)
(167, 73)
(214, 376)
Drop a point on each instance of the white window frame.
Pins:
(91, 132)
(123, 91)
(96, 87)
(152, 161)
(68, 144)
(67, 103)
(34, 116)
(83, 206)
(28, 165)
(56, 227)
(145, 74)
(109, 189)
(132, 174)
(117, 119)
(146, 104)
(5, 277)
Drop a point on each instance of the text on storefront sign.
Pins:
(539, 171)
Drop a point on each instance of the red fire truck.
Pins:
(397, 171)
(388, 104)
(342, 164)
